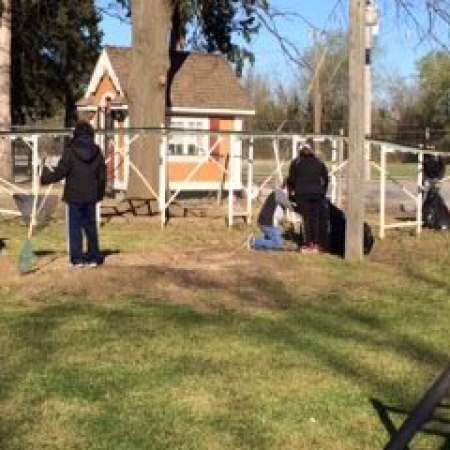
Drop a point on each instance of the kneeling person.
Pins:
(269, 220)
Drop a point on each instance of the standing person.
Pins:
(83, 167)
(269, 220)
(308, 180)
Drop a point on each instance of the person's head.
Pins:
(83, 128)
(306, 150)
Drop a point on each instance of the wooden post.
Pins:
(250, 181)
(356, 157)
(368, 95)
(317, 94)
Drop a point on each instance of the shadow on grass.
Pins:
(323, 330)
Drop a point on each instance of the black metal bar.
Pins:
(421, 413)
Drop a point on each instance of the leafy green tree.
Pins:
(333, 77)
(434, 84)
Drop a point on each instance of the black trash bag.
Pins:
(435, 213)
(337, 229)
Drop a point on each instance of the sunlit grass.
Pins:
(184, 340)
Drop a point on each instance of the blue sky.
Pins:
(400, 45)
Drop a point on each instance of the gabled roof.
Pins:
(195, 80)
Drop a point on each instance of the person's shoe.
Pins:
(310, 249)
(77, 265)
(314, 250)
(92, 265)
(250, 242)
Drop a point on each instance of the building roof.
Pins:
(195, 80)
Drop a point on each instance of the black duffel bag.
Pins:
(435, 213)
(337, 224)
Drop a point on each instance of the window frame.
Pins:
(184, 141)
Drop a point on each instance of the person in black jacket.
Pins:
(308, 181)
(83, 167)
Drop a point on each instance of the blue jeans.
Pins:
(271, 239)
(82, 219)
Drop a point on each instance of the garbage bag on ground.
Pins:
(435, 213)
(337, 224)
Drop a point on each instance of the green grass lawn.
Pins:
(185, 340)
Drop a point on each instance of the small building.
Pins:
(202, 93)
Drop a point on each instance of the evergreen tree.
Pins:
(55, 44)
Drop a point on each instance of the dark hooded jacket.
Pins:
(308, 176)
(83, 167)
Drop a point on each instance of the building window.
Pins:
(190, 145)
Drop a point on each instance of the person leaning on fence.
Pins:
(270, 219)
(83, 167)
(308, 181)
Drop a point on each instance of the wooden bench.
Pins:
(242, 216)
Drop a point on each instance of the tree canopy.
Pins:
(225, 26)
(54, 46)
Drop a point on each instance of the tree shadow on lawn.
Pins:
(325, 330)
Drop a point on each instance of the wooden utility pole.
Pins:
(317, 93)
(5, 89)
(356, 159)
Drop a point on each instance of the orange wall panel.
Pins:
(208, 172)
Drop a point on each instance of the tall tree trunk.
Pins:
(5, 89)
(70, 115)
(148, 82)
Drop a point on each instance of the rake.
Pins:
(27, 255)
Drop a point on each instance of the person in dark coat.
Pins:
(82, 165)
(308, 182)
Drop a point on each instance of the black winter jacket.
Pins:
(83, 167)
(308, 176)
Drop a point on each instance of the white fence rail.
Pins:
(283, 149)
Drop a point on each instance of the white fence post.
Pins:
(334, 176)
(382, 192)
(162, 177)
(419, 192)
(35, 181)
(230, 191)
(294, 146)
(250, 180)
(339, 179)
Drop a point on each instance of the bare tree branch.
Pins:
(435, 10)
